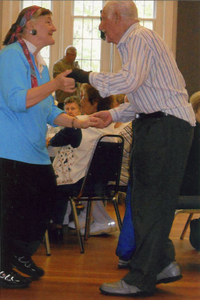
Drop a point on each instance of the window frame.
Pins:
(165, 26)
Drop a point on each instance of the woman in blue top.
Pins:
(26, 176)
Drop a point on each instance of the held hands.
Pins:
(102, 119)
(99, 120)
(88, 122)
(79, 75)
(64, 83)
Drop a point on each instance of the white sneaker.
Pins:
(169, 274)
(81, 220)
(98, 228)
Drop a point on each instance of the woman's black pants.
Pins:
(28, 192)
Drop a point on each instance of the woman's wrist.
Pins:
(76, 123)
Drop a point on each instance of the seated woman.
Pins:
(72, 106)
(70, 166)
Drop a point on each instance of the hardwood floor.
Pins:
(71, 275)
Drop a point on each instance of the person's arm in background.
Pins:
(66, 136)
(57, 69)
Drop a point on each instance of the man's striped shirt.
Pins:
(149, 76)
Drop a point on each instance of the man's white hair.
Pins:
(127, 9)
(70, 47)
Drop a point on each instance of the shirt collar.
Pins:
(127, 32)
(32, 48)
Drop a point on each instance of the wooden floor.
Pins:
(71, 275)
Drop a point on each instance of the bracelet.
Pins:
(73, 121)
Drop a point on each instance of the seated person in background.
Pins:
(124, 129)
(66, 63)
(120, 98)
(195, 101)
(70, 168)
(72, 106)
(190, 184)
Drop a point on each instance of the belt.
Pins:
(158, 115)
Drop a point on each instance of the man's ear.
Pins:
(117, 17)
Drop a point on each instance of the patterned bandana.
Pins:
(28, 15)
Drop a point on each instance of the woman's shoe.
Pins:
(27, 266)
(13, 280)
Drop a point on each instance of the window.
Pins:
(45, 52)
(86, 35)
(146, 13)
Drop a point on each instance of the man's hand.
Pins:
(64, 83)
(88, 122)
(103, 119)
(79, 75)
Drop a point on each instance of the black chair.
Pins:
(189, 199)
(101, 182)
(189, 205)
(47, 244)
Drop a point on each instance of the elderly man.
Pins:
(66, 63)
(163, 131)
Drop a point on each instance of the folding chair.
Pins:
(103, 168)
(47, 244)
(189, 205)
(189, 199)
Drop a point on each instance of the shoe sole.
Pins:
(104, 231)
(169, 279)
(7, 286)
(128, 295)
(124, 267)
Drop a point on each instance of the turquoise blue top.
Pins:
(22, 130)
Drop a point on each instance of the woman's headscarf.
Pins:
(16, 28)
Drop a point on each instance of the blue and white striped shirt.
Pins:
(149, 76)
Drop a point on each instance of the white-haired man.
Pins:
(66, 63)
(163, 130)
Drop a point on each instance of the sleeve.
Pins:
(57, 69)
(123, 113)
(67, 136)
(136, 64)
(15, 79)
(55, 112)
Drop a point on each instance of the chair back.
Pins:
(104, 166)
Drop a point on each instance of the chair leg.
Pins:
(114, 201)
(88, 219)
(74, 211)
(186, 226)
(47, 244)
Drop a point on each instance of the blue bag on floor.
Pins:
(126, 243)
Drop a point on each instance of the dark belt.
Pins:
(158, 114)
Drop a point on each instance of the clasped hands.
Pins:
(100, 119)
(67, 83)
